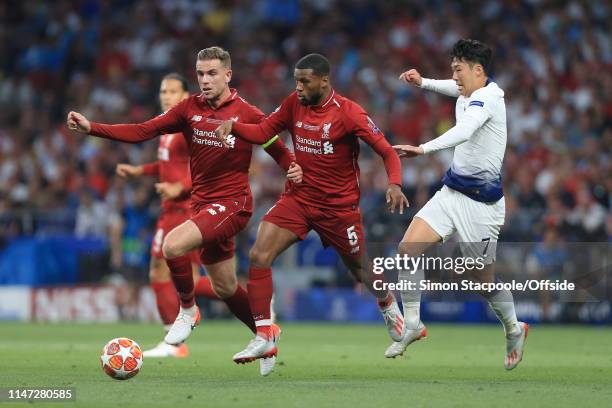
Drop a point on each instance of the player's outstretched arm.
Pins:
(408, 150)
(169, 122)
(252, 133)
(443, 86)
(475, 116)
(263, 130)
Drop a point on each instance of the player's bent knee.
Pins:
(260, 258)
(172, 249)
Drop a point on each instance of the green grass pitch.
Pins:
(319, 366)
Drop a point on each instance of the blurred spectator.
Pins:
(94, 218)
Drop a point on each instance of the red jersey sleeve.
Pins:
(151, 169)
(361, 125)
(275, 123)
(172, 121)
(274, 146)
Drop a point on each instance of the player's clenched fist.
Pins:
(411, 76)
(223, 131)
(78, 122)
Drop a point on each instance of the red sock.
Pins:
(204, 288)
(182, 276)
(260, 290)
(167, 300)
(238, 304)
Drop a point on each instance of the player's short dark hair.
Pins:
(318, 63)
(215, 52)
(178, 77)
(473, 51)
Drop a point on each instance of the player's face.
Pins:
(309, 87)
(171, 92)
(466, 76)
(213, 78)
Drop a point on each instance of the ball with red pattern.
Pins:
(121, 358)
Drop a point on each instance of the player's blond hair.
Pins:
(215, 52)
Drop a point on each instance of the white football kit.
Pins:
(471, 202)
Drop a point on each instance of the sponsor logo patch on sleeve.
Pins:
(477, 103)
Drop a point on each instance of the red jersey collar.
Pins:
(326, 102)
(233, 96)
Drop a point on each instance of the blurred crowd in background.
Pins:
(106, 58)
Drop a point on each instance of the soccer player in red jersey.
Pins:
(221, 200)
(325, 129)
(174, 187)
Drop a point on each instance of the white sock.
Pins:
(190, 311)
(411, 299)
(502, 303)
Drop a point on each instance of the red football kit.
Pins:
(221, 200)
(326, 144)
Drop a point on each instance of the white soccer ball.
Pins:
(121, 358)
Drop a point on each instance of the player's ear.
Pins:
(324, 80)
(228, 75)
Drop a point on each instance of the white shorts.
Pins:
(477, 223)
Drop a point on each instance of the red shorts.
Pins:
(218, 223)
(340, 228)
(167, 221)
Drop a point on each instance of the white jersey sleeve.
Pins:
(475, 115)
(443, 86)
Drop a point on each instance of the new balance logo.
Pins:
(196, 118)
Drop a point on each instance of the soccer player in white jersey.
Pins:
(471, 202)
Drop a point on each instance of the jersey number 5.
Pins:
(352, 235)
